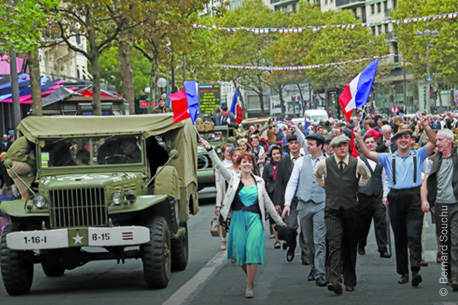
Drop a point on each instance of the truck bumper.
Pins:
(78, 237)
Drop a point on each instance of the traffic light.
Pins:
(293, 97)
(435, 95)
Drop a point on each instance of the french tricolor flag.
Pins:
(357, 91)
(185, 103)
(235, 107)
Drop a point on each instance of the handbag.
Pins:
(214, 227)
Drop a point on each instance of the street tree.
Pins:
(443, 55)
(334, 44)
(21, 25)
(164, 33)
(247, 48)
(101, 22)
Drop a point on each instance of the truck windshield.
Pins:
(93, 151)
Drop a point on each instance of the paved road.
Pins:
(210, 280)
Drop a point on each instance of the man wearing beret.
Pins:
(310, 196)
(341, 175)
(403, 170)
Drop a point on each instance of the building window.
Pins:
(373, 31)
(385, 6)
(395, 3)
(294, 7)
(379, 29)
(386, 28)
(373, 9)
(379, 7)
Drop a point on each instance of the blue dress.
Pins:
(246, 242)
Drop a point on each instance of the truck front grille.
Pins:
(78, 207)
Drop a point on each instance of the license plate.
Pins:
(30, 240)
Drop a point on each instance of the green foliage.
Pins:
(110, 74)
(21, 22)
(444, 52)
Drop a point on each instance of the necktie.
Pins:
(341, 165)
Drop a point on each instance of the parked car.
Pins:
(132, 197)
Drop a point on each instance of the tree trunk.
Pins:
(153, 80)
(37, 106)
(282, 102)
(94, 59)
(452, 100)
(301, 107)
(127, 73)
(261, 100)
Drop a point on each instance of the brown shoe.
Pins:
(335, 287)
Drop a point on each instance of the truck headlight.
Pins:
(117, 198)
(39, 201)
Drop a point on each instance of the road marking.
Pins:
(189, 291)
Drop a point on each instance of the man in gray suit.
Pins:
(311, 202)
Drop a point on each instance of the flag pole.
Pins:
(195, 128)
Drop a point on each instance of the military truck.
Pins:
(106, 188)
(218, 136)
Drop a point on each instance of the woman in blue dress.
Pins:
(245, 202)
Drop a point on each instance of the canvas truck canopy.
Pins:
(180, 136)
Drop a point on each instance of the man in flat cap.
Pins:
(403, 170)
(303, 187)
(340, 176)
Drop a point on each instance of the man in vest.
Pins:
(284, 170)
(343, 175)
(370, 203)
(403, 170)
(440, 191)
(310, 207)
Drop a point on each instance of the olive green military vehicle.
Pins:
(217, 137)
(106, 188)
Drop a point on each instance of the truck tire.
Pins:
(17, 266)
(51, 266)
(156, 255)
(180, 251)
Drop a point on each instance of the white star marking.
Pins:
(78, 239)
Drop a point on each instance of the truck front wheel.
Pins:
(17, 266)
(156, 255)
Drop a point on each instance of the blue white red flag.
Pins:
(185, 103)
(235, 107)
(356, 93)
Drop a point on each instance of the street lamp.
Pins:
(427, 33)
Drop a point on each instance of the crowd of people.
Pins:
(327, 181)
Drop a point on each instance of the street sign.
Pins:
(144, 104)
(429, 79)
(394, 110)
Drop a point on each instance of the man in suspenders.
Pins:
(403, 169)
